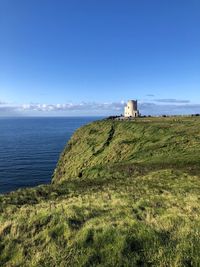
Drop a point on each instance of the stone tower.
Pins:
(130, 109)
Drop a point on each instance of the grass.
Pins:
(123, 194)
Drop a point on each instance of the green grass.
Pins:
(123, 194)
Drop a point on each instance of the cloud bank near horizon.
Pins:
(171, 101)
(154, 107)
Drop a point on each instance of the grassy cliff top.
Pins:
(123, 194)
(143, 144)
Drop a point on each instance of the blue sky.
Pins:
(60, 57)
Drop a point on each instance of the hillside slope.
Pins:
(117, 146)
(123, 194)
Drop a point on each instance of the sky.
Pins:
(75, 57)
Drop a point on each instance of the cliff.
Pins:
(107, 146)
(123, 194)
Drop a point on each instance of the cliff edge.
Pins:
(156, 143)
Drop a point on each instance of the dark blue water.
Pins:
(30, 148)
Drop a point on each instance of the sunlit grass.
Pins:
(132, 210)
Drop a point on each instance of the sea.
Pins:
(30, 148)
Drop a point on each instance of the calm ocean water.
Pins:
(30, 148)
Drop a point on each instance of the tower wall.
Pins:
(131, 109)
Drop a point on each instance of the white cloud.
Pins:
(92, 108)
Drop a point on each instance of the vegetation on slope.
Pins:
(123, 194)
(119, 145)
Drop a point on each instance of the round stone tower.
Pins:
(131, 109)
